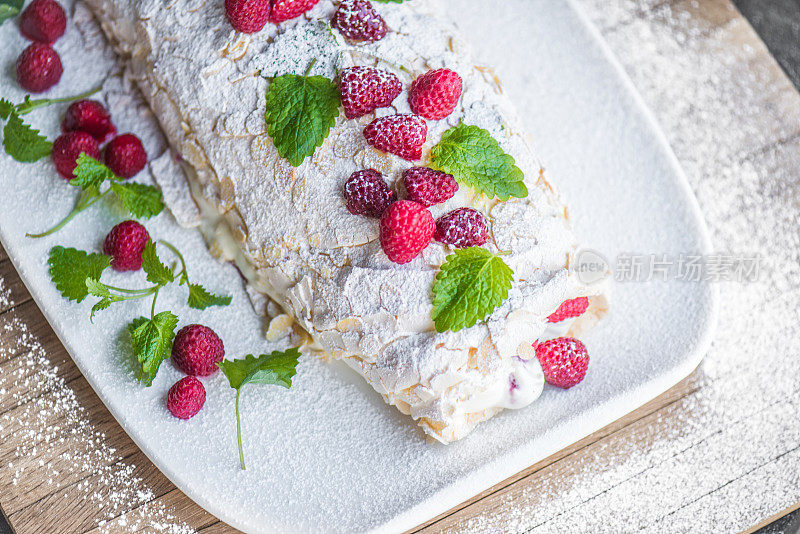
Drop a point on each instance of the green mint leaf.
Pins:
(143, 201)
(276, 368)
(200, 298)
(100, 305)
(472, 283)
(22, 142)
(157, 272)
(69, 269)
(9, 8)
(300, 112)
(151, 340)
(90, 173)
(475, 159)
(6, 108)
(97, 288)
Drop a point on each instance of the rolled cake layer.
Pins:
(288, 229)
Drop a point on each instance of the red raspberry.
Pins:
(43, 21)
(68, 147)
(365, 89)
(358, 21)
(125, 156)
(464, 227)
(568, 309)
(125, 244)
(402, 135)
(186, 397)
(406, 229)
(283, 10)
(247, 16)
(91, 117)
(434, 95)
(564, 361)
(429, 187)
(38, 68)
(367, 194)
(196, 350)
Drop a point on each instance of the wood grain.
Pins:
(34, 505)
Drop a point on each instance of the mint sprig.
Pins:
(139, 200)
(276, 368)
(9, 8)
(471, 284)
(300, 112)
(476, 159)
(151, 340)
(71, 268)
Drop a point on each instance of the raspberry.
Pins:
(196, 350)
(464, 227)
(358, 21)
(38, 68)
(125, 244)
(564, 361)
(283, 10)
(429, 187)
(125, 156)
(247, 16)
(402, 135)
(91, 117)
(434, 95)
(43, 21)
(365, 89)
(406, 229)
(68, 147)
(186, 397)
(367, 194)
(568, 309)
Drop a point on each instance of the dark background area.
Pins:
(778, 24)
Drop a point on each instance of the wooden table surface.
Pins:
(734, 121)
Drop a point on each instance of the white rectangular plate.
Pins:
(329, 455)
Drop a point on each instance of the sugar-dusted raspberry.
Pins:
(196, 350)
(464, 227)
(402, 135)
(406, 229)
(248, 16)
(38, 68)
(357, 20)
(43, 21)
(564, 361)
(367, 194)
(568, 309)
(68, 147)
(125, 244)
(365, 89)
(186, 397)
(429, 187)
(125, 155)
(89, 116)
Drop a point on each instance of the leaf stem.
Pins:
(153, 307)
(29, 105)
(87, 198)
(175, 251)
(143, 292)
(310, 66)
(239, 432)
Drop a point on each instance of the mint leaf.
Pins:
(90, 172)
(472, 283)
(70, 268)
(475, 159)
(6, 108)
(276, 368)
(143, 201)
(157, 272)
(22, 142)
(9, 8)
(200, 298)
(100, 305)
(300, 112)
(151, 340)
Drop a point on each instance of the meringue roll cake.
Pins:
(270, 132)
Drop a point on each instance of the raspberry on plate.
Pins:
(125, 244)
(125, 155)
(196, 350)
(68, 147)
(38, 68)
(402, 135)
(464, 227)
(429, 187)
(43, 21)
(434, 95)
(406, 229)
(89, 116)
(564, 361)
(568, 309)
(367, 194)
(186, 397)
(283, 10)
(365, 89)
(358, 21)
(247, 16)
